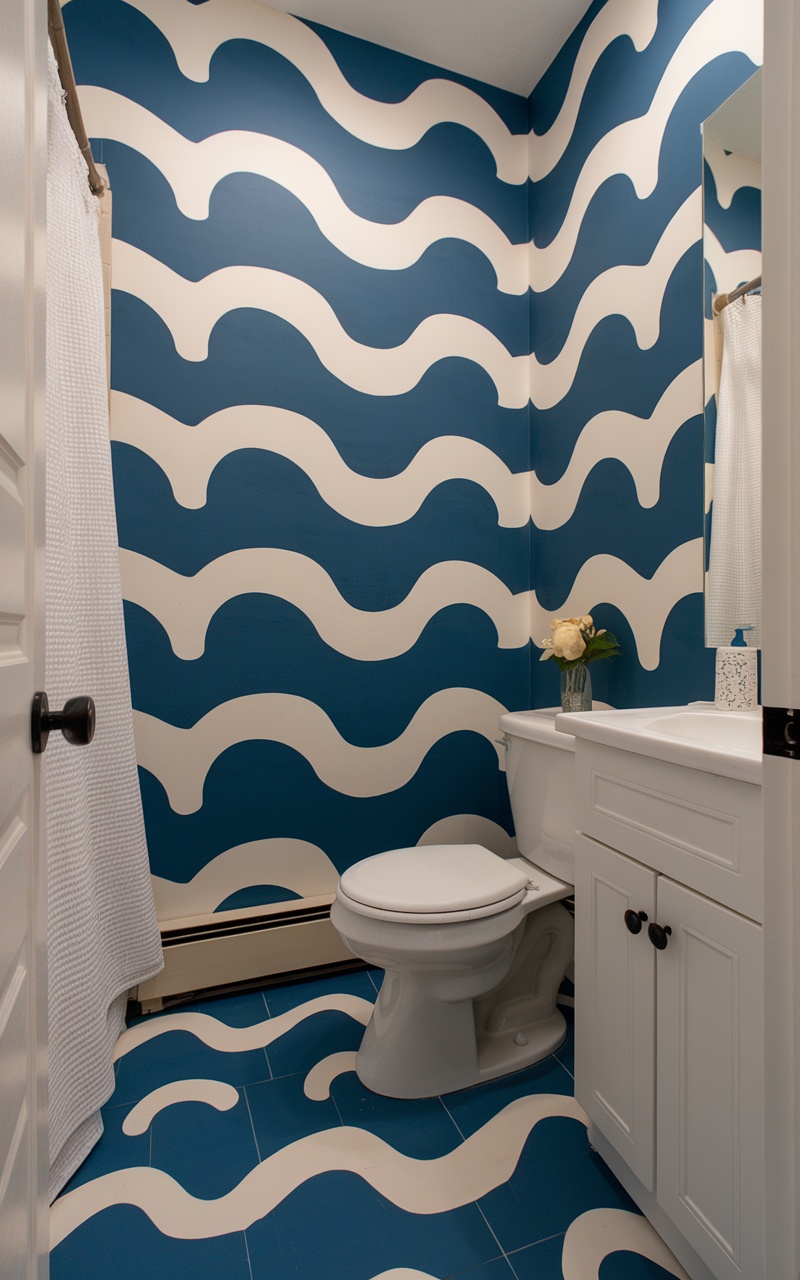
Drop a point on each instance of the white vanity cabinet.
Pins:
(669, 1060)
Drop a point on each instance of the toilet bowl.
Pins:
(474, 946)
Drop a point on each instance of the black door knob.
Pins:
(76, 721)
(633, 921)
(658, 935)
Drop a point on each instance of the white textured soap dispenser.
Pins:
(736, 685)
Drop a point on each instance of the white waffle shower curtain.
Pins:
(102, 931)
(733, 597)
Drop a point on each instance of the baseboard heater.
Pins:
(232, 949)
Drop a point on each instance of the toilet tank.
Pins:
(540, 771)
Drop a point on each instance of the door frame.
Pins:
(781, 630)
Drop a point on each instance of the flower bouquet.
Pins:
(574, 643)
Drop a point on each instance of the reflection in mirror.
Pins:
(732, 365)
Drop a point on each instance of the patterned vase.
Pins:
(576, 688)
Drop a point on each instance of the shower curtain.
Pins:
(733, 598)
(102, 931)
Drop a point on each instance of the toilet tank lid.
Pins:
(537, 726)
(439, 877)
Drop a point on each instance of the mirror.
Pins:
(732, 365)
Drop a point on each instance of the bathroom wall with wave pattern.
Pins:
(616, 275)
(344, 378)
(320, 439)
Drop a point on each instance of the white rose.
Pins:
(568, 642)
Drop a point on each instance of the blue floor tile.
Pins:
(336, 1227)
(315, 1038)
(539, 1261)
(472, 1108)
(279, 999)
(321, 1034)
(207, 1151)
(282, 1113)
(558, 1177)
(179, 1055)
(115, 1150)
(243, 1010)
(420, 1127)
(121, 1243)
(264, 1251)
(497, 1269)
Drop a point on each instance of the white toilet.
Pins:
(475, 946)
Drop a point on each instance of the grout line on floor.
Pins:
(252, 1126)
(558, 1235)
(247, 1250)
(494, 1237)
(452, 1117)
(561, 1064)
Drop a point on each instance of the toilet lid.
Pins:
(433, 878)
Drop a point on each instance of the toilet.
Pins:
(474, 945)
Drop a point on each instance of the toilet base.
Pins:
(498, 1054)
(501, 1053)
(489, 1010)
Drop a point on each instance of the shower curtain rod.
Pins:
(724, 299)
(58, 36)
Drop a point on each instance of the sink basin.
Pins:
(740, 731)
(697, 736)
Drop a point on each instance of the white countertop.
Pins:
(697, 736)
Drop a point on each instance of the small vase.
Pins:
(576, 688)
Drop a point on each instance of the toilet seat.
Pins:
(433, 884)
(428, 917)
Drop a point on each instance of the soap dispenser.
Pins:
(736, 686)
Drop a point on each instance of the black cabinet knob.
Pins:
(633, 921)
(658, 935)
(76, 721)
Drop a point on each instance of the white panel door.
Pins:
(23, 1129)
(710, 1080)
(615, 988)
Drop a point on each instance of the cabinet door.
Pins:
(710, 1169)
(615, 995)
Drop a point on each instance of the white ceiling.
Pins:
(509, 43)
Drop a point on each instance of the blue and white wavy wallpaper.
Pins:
(402, 365)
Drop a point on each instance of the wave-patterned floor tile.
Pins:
(212, 1093)
(183, 1138)
(540, 1261)
(115, 1150)
(325, 1033)
(390, 1186)
(497, 1269)
(122, 1244)
(181, 1056)
(598, 1234)
(358, 1234)
(282, 1112)
(421, 1128)
(558, 1177)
